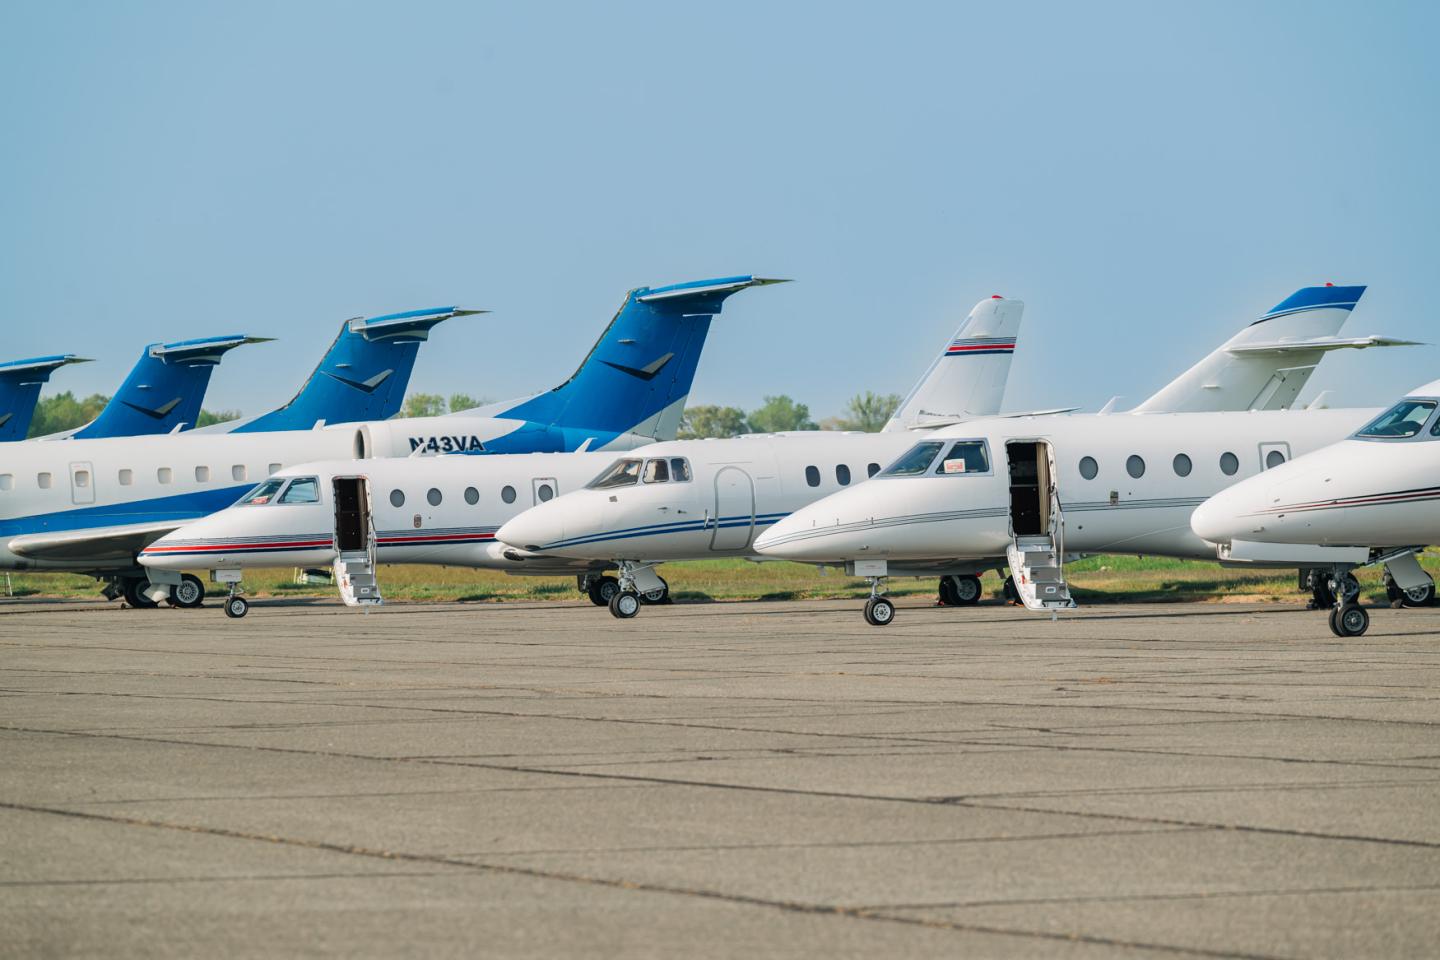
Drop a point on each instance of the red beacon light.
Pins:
(1329, 284)
(996, 296)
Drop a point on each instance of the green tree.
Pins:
(866, 411)
(780, 413)
(63, 411)
(711, 421)
(463, 401)
(210, 417)
(423, 405)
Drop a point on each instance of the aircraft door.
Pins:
(352, 514)
(82, 483)
(733, 522)
(545, 488)
(1273, 454)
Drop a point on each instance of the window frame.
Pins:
(939, 462)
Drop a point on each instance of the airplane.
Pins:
(1368, 499)
(90, 506)
(663, 518)
(20, 382)
(163, 391)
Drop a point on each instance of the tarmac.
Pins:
(716, 780)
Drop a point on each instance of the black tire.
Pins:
(1009, 592)
(1349, 621)
(1320, 593)
(947, 592)
(1418, 597)
(659, 596)
(966, 589)
(188, 594)
(624, 605)
(602, 589)
(135, 594)
(236, 607)
(879, 612)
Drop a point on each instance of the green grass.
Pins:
(1097, 579)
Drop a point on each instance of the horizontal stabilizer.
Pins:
(206, 350)
(411, 325)
(1321, 344)
(705, 288)
(37, 369)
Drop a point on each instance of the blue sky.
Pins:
(1147, 177)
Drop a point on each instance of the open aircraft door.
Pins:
(1037, 527)
(355, 542)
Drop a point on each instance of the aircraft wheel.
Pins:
(624, 605)
(236, 607)
(879, 611)
(135, 594)
(188, 593)
(1320, 596)
(1346, 588)
(602, 590)
(1418, 596)
(947, 592)
(1349, 621)
(966, 590)
(661, 595)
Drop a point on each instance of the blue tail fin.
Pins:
(364, 374)
(637, 376)
(164, 390)
(20, 382)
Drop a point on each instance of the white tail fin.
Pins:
(968, 379)
(1266, 365)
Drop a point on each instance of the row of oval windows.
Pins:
(434, 497)
(842, 474)
(1182, 465)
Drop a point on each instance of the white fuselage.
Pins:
(1125, 484)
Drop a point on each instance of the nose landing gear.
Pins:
(878, 610)
(1347, 617)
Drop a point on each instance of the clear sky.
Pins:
(1146, 176)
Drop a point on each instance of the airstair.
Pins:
(355, 578)
(1037, 551)
(355, 544)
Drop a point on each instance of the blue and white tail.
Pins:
(20, 382)
(968, 379)
(164, 390)
(634, 382)
(364, 374)
(1267, 364)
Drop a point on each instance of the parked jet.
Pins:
(20, 382)
(163, 391)
(1371, 498)
(92, 505)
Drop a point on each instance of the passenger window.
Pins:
(163, 474)
(622, 473)
(967, 456)
(43, 480)
(7, 481)
(127, 477)
(1182, 465)
(679, 470)
(1089, 469)
(544, 493)
(872, 469)
(433, 497)
(842, 474)
(914, 461)
(81, 478)
(274, 468)
(397, 498)
(1273, 459)
(238, 472)
(472, 496)
(1229, 464)
(1135, 466)
(304, 490)
(657, 471)
(262, 494)
(812, 476)
(508, 494)
(202, 474)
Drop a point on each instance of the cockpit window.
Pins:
(967, 456)
(622, 473)
(914, 461)
(262, 494)
(657, 471)
(304, 490)
(1402, 420)
(679, 469)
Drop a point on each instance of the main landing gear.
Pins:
(600, 590)
(960, 591)
(188, 594)
(879, 611)
(1422, 596)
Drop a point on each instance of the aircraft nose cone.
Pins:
(1218, 519)
(534, 530)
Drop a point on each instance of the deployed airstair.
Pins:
(355, 544)
(1037, 551)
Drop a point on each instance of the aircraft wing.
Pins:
(1317, 344)
(94, 543)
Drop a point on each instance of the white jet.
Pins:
(1369, 499)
